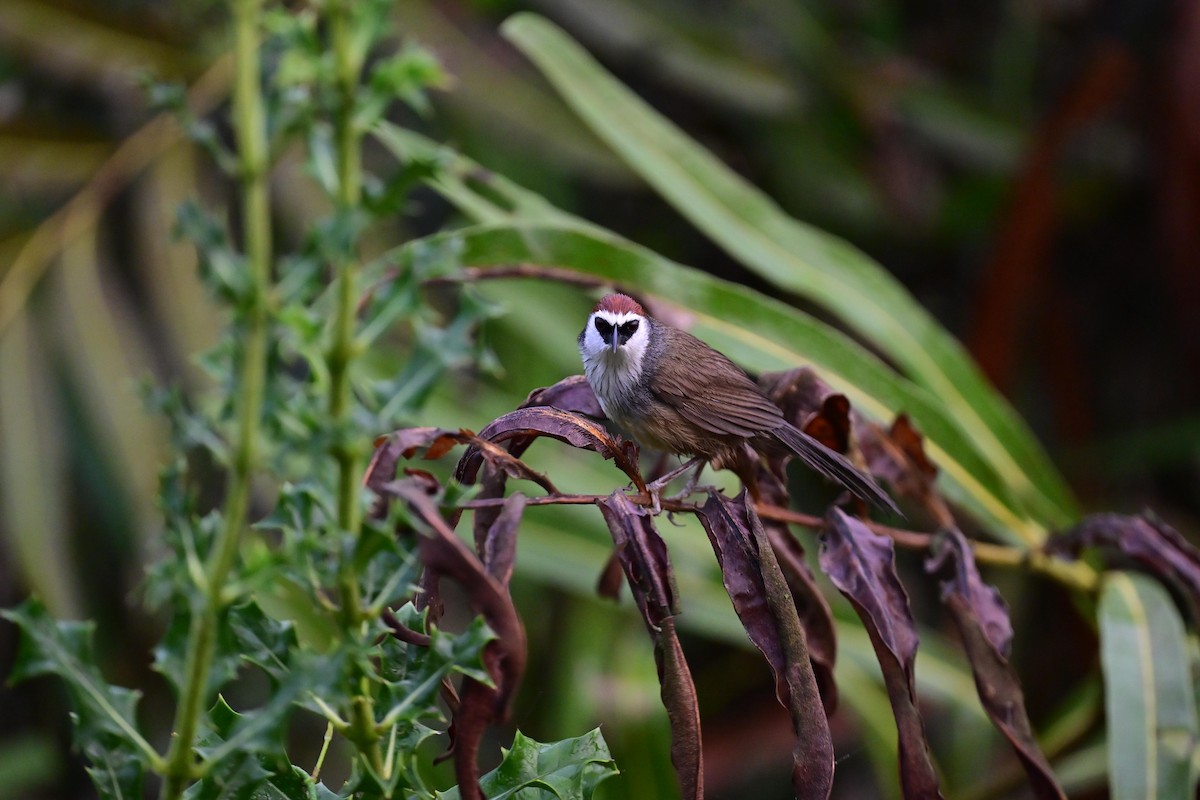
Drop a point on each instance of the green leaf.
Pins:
(1149, 696)
(800, 259)
(170, 655)
(104, 714)
(257, 773)
(568, 770)
(235, 736)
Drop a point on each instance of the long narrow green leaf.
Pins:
(1150, 699)
(798, 258)
(33, 472)
(758, 332)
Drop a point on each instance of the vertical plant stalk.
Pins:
(348, 64)
(250, 128)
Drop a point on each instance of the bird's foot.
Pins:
(656, 488)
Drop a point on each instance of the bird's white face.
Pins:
(613, 346)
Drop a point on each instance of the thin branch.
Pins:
(534, 271)
(1068, 572)
(498, 455)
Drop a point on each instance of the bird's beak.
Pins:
(616, 340)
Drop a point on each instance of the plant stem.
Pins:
(348, 63)
(1075, 574)
(251, 138)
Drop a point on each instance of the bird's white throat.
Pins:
(614, 374)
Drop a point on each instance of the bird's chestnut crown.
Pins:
(616, 327)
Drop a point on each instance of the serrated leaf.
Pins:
(251, 773)
(568, 770)
(1150, 699)
(261, 640)
(105, 715)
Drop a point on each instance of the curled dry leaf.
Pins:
(811, 605)
(573, 429)
(643, 556)
(498, 549)
(572, 393)
(862, 566)
(831, 424)
(764, 604)
(403, 443)
(1153, 544)
(812, 608)
(799, 393)
(444, 554)
(982, 620)
(897, 455)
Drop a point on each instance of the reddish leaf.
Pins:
(811, 605)
(445, 554)
(831, 424)
(799, 393)
(897, 455)
(573, 429)
(609, 583)
(572, 394)
(982, 620)
(1150, 542)
(765, 606)
(862, 566)
(498, 549)
(391, 448)
(678, 693)
(643, 556)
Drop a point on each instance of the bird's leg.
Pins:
(657, 487)
(690, 486)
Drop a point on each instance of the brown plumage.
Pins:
(675, 393)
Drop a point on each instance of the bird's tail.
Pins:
(833, 465)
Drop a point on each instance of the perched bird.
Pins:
(674, 393)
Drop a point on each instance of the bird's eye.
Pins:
(604, 328)
(629, 328)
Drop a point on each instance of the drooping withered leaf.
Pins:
(981, 617)
(572, 394)
(894, 454)
(1152, 543)
(444, 554)
(862, 566)
(643, 557)
(764, 604)
(811, 605)
(565, 426)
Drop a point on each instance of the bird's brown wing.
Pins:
(709, 390)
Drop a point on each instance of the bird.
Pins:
(674, 393)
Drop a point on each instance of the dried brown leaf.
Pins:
(1152, 543)
(531, 423)
(573, 394)
(765, 605)
(981, 617)
(643, 556)
(862, 566)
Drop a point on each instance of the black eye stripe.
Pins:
(629, 328)
(603, 327)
